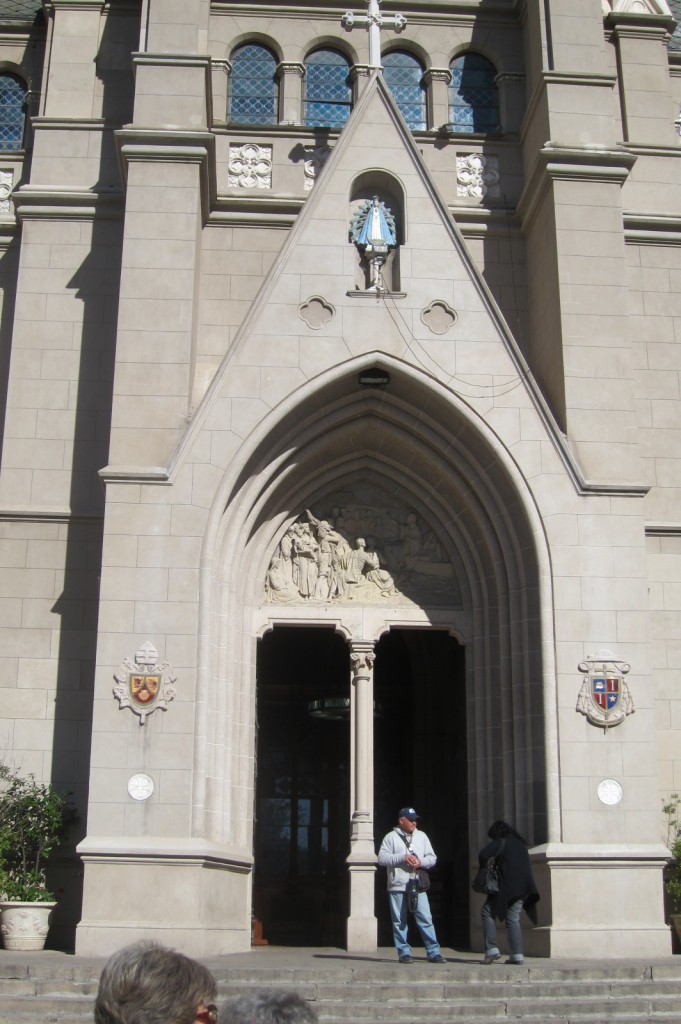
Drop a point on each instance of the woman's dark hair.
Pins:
(502, 830)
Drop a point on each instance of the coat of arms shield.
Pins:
(143, 685)
(604, 697)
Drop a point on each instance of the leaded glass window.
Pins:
(473, 98)
(328, 93)
(253, 86)
(403, 75)
(12, 109)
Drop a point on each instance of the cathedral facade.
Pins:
(340, 365)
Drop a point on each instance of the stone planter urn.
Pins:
(24, 926)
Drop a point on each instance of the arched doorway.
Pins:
(302, 802)
(482, 573)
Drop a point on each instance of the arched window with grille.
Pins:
(473, 96)
(328, 92)
(403, 75)
(12, 112)
(253, 86)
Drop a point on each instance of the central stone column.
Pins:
(362, 928)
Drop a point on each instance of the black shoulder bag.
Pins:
(486, 880)
(421, 873)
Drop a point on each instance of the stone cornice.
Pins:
(48, 515)
(255, 211)
(173, 60)
(638, 26)
(424, 11)
(161, 849)
(134, 475)
(649, 229)
(74, 5)
(665, 151)
(81, 124)
(568, 163)
(663, 529)
(257, 133)
(41, 202)
(151, 144)
(587, 853)
(9, 231)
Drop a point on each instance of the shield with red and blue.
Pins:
(605, 692)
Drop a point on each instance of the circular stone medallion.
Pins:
(610, 792)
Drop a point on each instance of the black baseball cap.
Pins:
(409, 813)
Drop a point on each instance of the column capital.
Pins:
(437, 75)
(361, 658)
(290, 67)
(360, 71)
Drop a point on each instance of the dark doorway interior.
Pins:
(420, 759)
(303, 781)
(302, 806)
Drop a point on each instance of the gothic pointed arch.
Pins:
(409, 447)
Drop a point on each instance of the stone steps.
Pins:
(55, 989)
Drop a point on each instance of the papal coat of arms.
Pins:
(143, 685)
(604, 697)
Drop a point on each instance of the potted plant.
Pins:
(672, 871)
(34, 817)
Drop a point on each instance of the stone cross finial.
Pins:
(374, 21)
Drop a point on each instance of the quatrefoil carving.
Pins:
(316, 312)
(438, 317)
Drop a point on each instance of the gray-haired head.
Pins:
(147, 983)
(268, 1006)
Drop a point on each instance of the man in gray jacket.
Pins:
(403, 850)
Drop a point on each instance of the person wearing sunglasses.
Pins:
(149, 982)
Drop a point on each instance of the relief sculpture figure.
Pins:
(335, 559)
(314, 561)
(364, 565)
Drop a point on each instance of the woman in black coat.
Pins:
(517, 891)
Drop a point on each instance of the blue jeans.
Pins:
(515, 937)
(424, 920)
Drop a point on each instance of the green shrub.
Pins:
(672, 871)
(34, 818)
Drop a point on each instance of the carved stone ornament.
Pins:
(316, 312)
(477, 176)
(438, 317)
(604, 697)
(315, 158)
(250, 166)
(335, 559)
(636, 7)
(6, 183)
(143, 685)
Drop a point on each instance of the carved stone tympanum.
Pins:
(336, 559)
